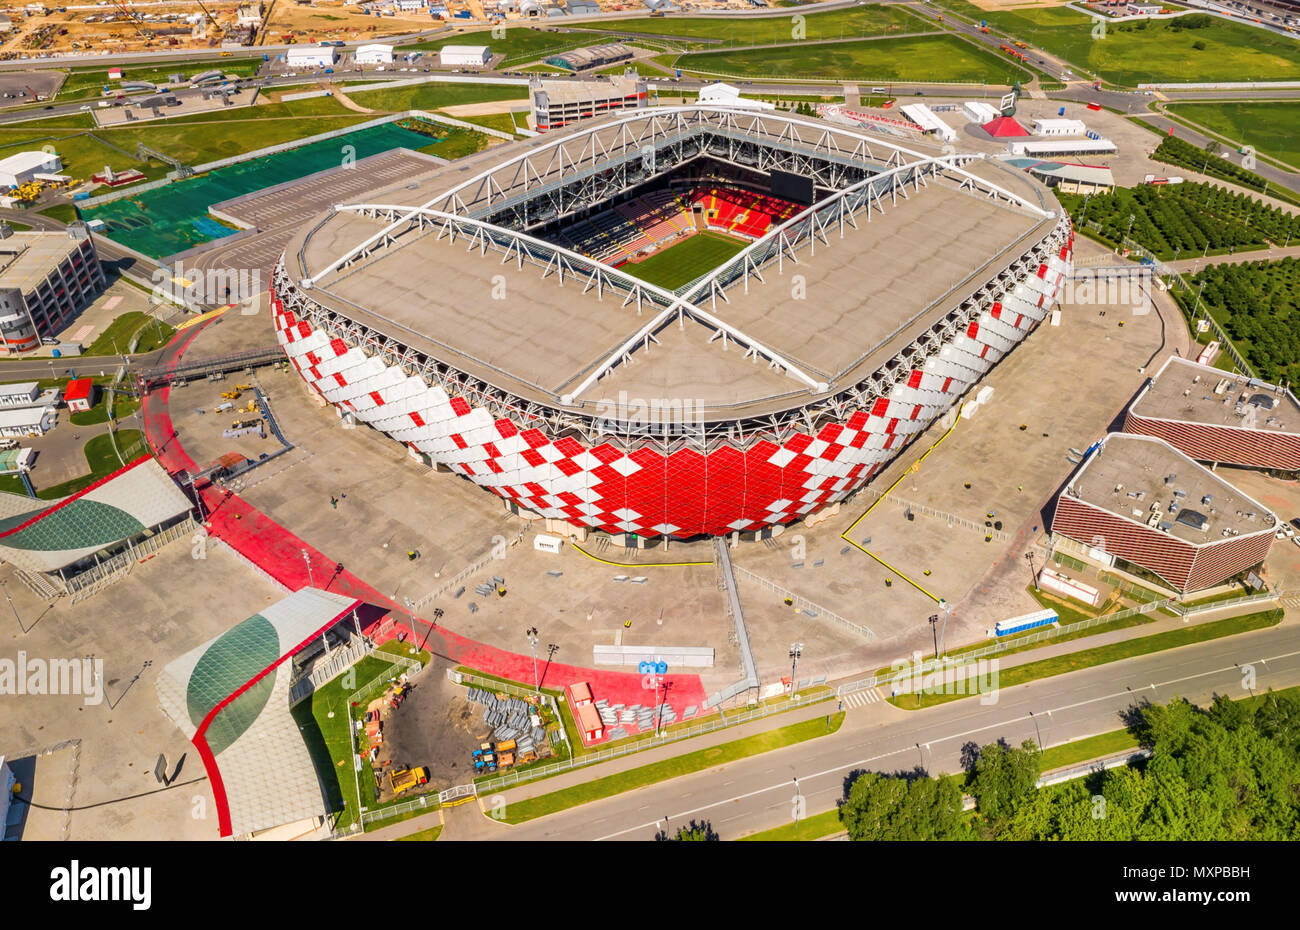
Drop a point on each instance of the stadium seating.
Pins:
(742, 212)
(614, 236)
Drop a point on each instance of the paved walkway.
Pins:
(294, 563)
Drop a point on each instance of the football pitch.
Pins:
(686, 261)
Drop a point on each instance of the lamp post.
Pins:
(531, 633)
(4, 583)
(1033, 574)
(796, 650)
(311, 581)
(410, 616)
(934, 631)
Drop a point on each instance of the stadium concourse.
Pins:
(280, 555)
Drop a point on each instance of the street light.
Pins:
(311, 581)
(796, 650)
(4, 583)
(1033, 573)
(934, 630)
(531, 633)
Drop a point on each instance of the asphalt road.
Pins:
(757, 793)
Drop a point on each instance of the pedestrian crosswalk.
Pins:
(861, 698)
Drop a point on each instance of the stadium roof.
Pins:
(1129, 474)
(870, 289)
(1183, 390)
(44, 536)
(230, 696)
(1004, 127)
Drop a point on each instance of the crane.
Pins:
(221, 30)
(137, 22)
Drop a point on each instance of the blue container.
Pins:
(57, 354)
(661, 668)
(1061, 112)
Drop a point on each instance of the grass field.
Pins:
(433, 96)
(918, 58)
(1155, 51)
(1101, 655)
(88, 82)
(857, 22)
(687, 260)
(521, 43)
(594, 790)
(1272, 128)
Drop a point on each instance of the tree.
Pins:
(694, 832)
(1004, 776)
(892, 807)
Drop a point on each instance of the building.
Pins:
(27, 421)
(464, 56)
(310, 56)
(6, 23)
(14, 461)
(23, 167)
(725, 95)
(1005, 127)
(374, 55)
(231, 699)
(249, 14)
(1060, 127)
(593, 56)
(46, 279)
(1139, 505)
(582, 8)
(410, 6)
(924, 117)
(977, 111)
(560, 103)
(1059, 148)
(1217, 417)
(536, 402)
(1070, 179)
(80, 394)
(19, 395)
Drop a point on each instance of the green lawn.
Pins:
(521, 43)
(856, 22)
(1101, 655)
(117, 338)
(123, 407)
(540, 806)
(1152, 51)
(1272, 128)
(687, 260)
(433, 95)
(815, 827)
(427, 836)
(1087, 749)
(918, 58)
(63, 212)
(88, 82)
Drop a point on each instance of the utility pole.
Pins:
(796, 649)
(531, 633)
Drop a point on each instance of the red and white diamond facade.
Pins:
(1215, 416)
(803, 365)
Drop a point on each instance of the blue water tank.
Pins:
(57, 354)
(661, 668)
(1061, 112)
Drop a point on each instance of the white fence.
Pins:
(798, 600)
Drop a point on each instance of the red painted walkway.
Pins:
(280, 554)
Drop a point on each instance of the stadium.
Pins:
(680, 321)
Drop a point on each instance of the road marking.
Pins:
(862, 698)
(954, 736)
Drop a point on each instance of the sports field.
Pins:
(916, 58)
(687, 260)
(1154, 51)
(1272, 128)
(858, 22)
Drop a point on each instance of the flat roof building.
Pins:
(310, 56)
(1059, 127)
(46, 278)
(559, 103)
(1137, 503)
(374, 55)
(22, 167)
(1219, 417)
(464, 56)
(27, 421)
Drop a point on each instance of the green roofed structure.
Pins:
(231, 697)
(77, 544)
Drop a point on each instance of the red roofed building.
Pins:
(1004, 127)
(80, 394)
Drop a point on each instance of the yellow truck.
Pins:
(404, 779)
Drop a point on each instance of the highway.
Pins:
(757, 793)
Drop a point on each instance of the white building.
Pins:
(1060, 127)
(249, 14)
(24, 166)
(19, 395)
(310, 56)
(27, 421)
(1058, 147)
(980, 112)
(374, 55)
(924, 117)
(724, 95)
(410, 6)
(464, 56)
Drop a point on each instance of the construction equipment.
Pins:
(506, 746)
(230, 395)
(404, 779)
(252, 407)
(135, 20)
(245, 424)
(243, 387)
(221, 30)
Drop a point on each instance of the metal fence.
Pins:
(469, 678)
(382, 813)
(668, 736)
(1045, 634)
(950, 518)
(797, 600)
